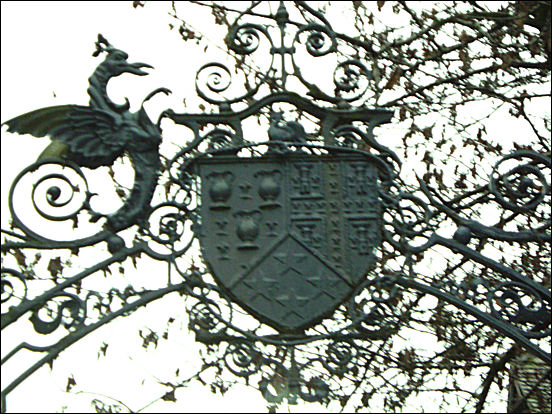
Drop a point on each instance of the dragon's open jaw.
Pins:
(136, 68)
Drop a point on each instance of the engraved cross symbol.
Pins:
(362, 238)
(307, 231)
(304, 180)
(358, 179)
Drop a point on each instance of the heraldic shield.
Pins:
(289, 238)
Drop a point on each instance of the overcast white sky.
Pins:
(46, 60)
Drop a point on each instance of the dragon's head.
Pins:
(116, 62)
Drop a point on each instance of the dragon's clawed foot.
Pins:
(94, 217)
(166, 91)
(167, 113)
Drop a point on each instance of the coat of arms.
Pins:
(289, 238)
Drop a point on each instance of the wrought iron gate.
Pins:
(294, 226)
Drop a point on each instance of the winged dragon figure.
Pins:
(96, 135)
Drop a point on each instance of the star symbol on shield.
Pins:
(294, 304)
(289, 259)
(262, 285)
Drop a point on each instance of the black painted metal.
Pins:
(290, 225)
(95, 135)
(289, 236)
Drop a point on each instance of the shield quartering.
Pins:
(289, 238)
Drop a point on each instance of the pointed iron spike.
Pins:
(282, 14)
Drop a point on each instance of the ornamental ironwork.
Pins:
(289, 236)
(291, 225)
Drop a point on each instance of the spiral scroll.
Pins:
(244, 39)
(203, 320)
(170, 230)
(242, 359)
(55, 196)
(75, 315)
(351, 80)
(320, 41)
(522, 306)
(525, 185)
(339, 357)
(372, 306)
(14, 288)
(216, 78)
(212, 79)
(407, 218)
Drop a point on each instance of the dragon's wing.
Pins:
(93, 136)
